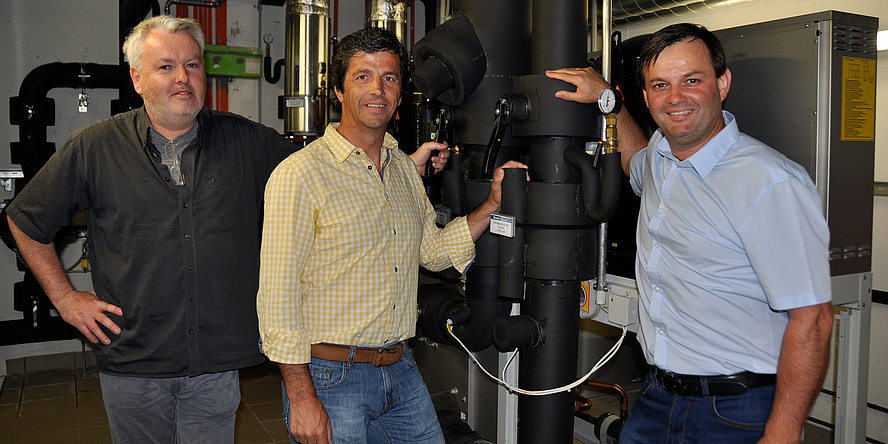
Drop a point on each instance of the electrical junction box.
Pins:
(233, 61)
(622, 310)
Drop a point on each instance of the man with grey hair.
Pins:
(173, 198)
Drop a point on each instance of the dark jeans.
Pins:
(660, 417)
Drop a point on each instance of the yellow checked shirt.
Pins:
(341, 245)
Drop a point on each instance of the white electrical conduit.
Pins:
(501, 381)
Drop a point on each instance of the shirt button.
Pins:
(394, 231)
(657, 245)
(166, 179)
(191, 300)
(184, 205)
(662, 207)
(190, 268)
(396, 269)
(191, 330)
(370, 167)
(187, 236)
(656, 288)
(660, 331)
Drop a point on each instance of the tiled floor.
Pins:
(65, 407)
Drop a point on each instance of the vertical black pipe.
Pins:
(549, 419)
(559, 30)
(559, 34)
(511, 249)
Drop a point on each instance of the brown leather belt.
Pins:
(730, 385)
(342, 353)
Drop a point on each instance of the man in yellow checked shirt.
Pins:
(347, 221)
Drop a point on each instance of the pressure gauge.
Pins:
(609, 101)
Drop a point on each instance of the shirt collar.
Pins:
(342, 148)
(142, 124)
(705, 160)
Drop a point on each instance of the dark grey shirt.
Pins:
(182, 262)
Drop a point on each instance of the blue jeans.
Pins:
(660, 417)
(368, 404)
(197, 409)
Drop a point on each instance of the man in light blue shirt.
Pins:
(732, 258)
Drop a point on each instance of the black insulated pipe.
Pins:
(549, 419)
(130, 13)
(272, 75)
(450, 62)
(601, 186)
(33, 111)
(513, 332)
(512, 249)
(484, 307)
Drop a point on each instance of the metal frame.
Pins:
(853, 294)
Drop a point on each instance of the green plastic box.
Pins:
(233, 61)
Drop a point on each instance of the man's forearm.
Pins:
(43, 261)
(630, 137)
(297, 379)
(803, 362)
(308, 417)
(479, 218)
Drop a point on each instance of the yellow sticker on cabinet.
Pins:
(858, 99)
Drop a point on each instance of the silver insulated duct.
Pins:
(388, 14)
(305, 79)
(629, 11)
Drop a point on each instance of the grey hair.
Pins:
(132, 47)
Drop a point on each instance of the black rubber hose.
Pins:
(272, 75)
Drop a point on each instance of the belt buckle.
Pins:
(381, 354)
(670, 383)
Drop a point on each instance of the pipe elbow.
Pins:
(601, 186)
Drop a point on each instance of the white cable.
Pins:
(604, 359)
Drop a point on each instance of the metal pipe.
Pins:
(305, 79)
(210, 4)
(387, 14)
(606, 66)
(624, 398)
(606, 29)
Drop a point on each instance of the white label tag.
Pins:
(502, 225)
(443, 217)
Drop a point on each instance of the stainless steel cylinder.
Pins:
(305, 79)
(388, 14)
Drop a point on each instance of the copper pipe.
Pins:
(586, 403)
(624, 398)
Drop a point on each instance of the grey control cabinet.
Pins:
(806, 86)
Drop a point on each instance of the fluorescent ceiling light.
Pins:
(882, 40)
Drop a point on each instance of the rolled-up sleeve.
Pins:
(287, 237)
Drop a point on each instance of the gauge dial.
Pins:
(608, 102)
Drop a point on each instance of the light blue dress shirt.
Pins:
(727, 241)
